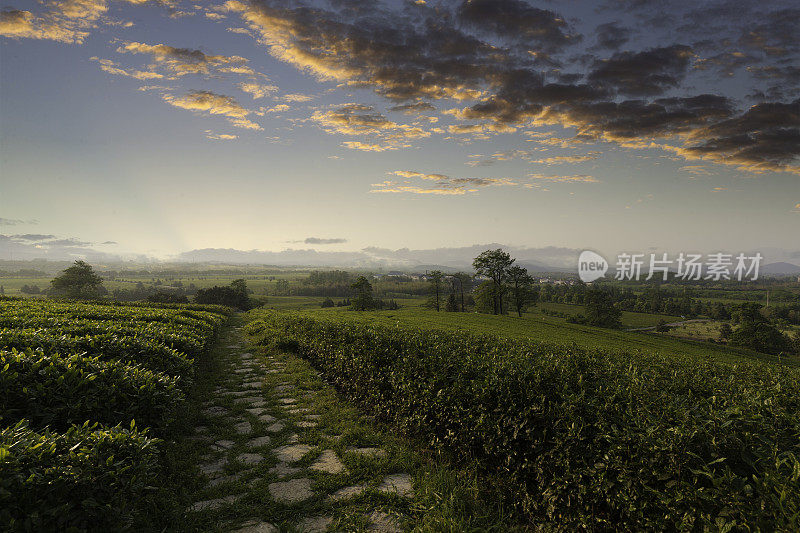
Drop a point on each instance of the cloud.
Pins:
(567, 159)
(214, 104)
(647, 73)
(564, 179)
(444, 185)
(19, 24)
(66, 21)
(503, 57)
(611, 36)
(359, 119)
(317, 240)
(183, 61)
(33, 237)
(764, 138)
(16, 222)
(367, 147)
(518, 20)
(697, 170)
(107, 65)
(296, 98)
(257, 90)
(220, 136)
(414, 108)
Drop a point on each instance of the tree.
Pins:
(494, 264)
(461, 283)
(520, 282)
(600, 310)
(757, 332)
(168, 297)
(452, 303)
(235, 295)
(78, 282)
(725, 331)
(436, 278)
(362, 299)
(762, 337)
(485, 297)
(327, 302)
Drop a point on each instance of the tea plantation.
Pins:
(87, 396)
(580, 439)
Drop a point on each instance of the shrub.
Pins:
(87, 479)
(582, 439)
(106, 347)
(171, 297)
(55, 391)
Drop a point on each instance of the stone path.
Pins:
(276, 458)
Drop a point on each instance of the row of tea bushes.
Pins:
(581, 439)
(85, 479)
(84, 391)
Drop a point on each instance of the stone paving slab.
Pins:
(256, 527)
(399, 484)
(213, 504)
(329, 463)
(292, 491)
(291, 453)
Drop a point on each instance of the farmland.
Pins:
(160, 417)
(88, 395)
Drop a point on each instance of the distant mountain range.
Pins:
(781, 268)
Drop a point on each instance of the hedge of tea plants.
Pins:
(87, 393)
(579, 439)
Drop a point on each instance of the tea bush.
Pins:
(87, 478)
(106, 347)
(58, 391)
(583, 439)
(73, 371)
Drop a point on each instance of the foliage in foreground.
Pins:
(71, 374)
(86, 478)
(585, 439)
(59, 391)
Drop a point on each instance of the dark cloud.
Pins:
(33, 237)
(611, 36)
(764, 138)
(317, 240)
(494, 65)
(66, 243)
(518, 20)
(639, 120)
(16, 222)
(647, 73)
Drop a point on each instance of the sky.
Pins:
(147, 128)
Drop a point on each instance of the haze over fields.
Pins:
(344, 132)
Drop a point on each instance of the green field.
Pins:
(598, 440)
(543, 328)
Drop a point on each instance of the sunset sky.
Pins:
(155, 128)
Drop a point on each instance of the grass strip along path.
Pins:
(275, 450)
